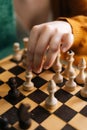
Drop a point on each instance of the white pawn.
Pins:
(70, 61)
(17, 56)
(28, 84)
(25, 41)
(51, 101)
(80, 78)
(58, 78)
(83, 91)
(24, 61)
(70, 85)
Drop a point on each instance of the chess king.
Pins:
(69, 29)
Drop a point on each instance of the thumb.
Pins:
(66, 41)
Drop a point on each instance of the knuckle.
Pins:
(56, 31)
(35, 28)
(47, 28)
(54, 48)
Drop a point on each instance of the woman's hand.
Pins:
(44, 43)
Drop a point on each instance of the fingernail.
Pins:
(37, 71)
(45, 67)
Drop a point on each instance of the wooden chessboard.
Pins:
(69, 114)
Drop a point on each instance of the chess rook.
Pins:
(17, 56)
(80, 78)
(51, 101)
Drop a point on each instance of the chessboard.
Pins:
(69, 114)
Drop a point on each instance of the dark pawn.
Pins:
(4, 125)
(24, 116)
(14, 92)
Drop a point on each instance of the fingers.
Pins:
(67, 41)
(42, 45)
(34, 35)
(54, 47)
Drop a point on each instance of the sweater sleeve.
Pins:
(79, 29)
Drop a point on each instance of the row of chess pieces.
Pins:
(69, 73)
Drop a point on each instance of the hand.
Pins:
(45, 42)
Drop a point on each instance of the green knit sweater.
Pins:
(7, 24)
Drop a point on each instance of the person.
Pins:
(67, 29)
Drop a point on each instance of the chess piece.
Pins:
(70, 61)
(24, 61)
(51, 101)
(14, 92)
(25, 41)
(17, 56)
(24, 116)
(83, 91)
(4, 125)
(58, 78)
(28, 84)
(80, 78)
(70, 85)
